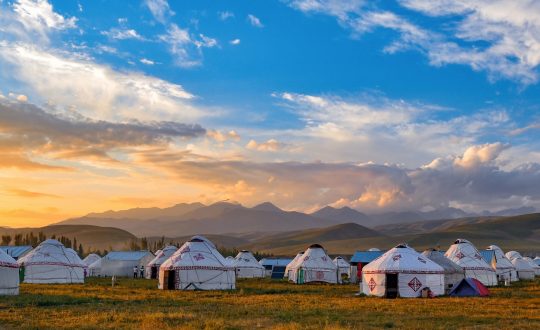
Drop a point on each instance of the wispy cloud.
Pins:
(160, 10)
(122, 34)
(225, 15)
(254, 21)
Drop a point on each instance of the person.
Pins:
(135, 271)
(142, 271)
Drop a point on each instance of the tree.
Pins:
(6, 239)
(18, 239)
(80, 250)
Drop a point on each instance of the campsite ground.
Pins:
(259, 303)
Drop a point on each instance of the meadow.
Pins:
(259, 304)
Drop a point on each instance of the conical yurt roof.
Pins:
(532, 263)
(465, 254)
(438, 257)
(340, 262)
(315, 258)
(7, 261)
(91, 258)
(163, 255)
(512, 255)
(206, 240)
(521, 264)
(403, 259)
(51, 251)
(502, 262)
(197, 253)
(291, 264)
(246, 259)
(96, 264)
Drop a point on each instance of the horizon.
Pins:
(407, 105)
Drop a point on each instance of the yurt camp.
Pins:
(504, 268)
(197, 265)
(344, 269)
(453, 273)
(246, 266)
(9, 275)
(463, 253)
(402, 272)
(314, 266)
(292, 263)
(152, 269)
(121, 263)
(94, 269)
(51, 262)
(533, 265)
(523, 268)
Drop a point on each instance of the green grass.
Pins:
(259, 304)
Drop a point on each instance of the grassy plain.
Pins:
(259, 304)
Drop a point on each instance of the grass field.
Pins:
(259, 304)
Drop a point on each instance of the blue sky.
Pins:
(396, 84)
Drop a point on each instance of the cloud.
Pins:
(160, 10)
(270, 145)
(498, 37)
(93, 89)
(29, 194)
(235, 42)
(223, 136)
(38, 16)
(147, 61)
(225, 15)
(122, 34)
(254, 21)
(185, 48)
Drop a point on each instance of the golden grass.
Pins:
(259, 304)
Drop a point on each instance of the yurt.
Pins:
(51, 262)
(402, 272)
(463, 253)
(197, 265)
(504, 268)
(453, 273)
(152, 269)
(246, 266)
(90, 259)
(94, 269)
(292, 263)
(9, 275)
(314, 266)
(122, 263)
(344, 268)
(523, 268)
(537, 260)
(533, 265)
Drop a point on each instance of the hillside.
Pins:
(91, 237)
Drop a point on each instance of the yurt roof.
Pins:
(403, 259)
(16, 251)
(198, 253)
(315, 258)
(439, 258)
(91, 258)
(51, 250)
(488, 256)
(365, 256)
(7, 261)
(126, 255)
(521, 264)
(513, 254)
(197, 238)
(95, 264)
(275, 261)
(465, 254)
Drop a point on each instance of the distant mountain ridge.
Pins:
(233, 218)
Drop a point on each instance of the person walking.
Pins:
(142, 271)
(135, 271)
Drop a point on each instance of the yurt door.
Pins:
(391, 285)
(153, 274)
(170, 279)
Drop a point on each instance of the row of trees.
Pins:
(35, 240)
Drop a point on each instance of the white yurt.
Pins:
(533, 265)
(504, 268)
(94, 269)
(197, 265)
(292, 263)
(91, 258)
(51, 262)
(402, 272)
(9, 275)
(465, 254)
(152, 269)
(512, 255)
(121, 263)
(453, 273)
(247, 266)
(524, 270)
(344, 268)
(314, 266)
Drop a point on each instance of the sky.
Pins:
(376, 105)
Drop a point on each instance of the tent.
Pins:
(503, 267)
(94, 269)
(9, 275)
(344, 269)
(152, 268)
(453, 273)
(292, 263)
(524, 270)
(16, 252)
(197, 265)
(275, 267)
(402, 272)
(90, 259)
(463, 253)
(533, 265)
(246, 266)
(314, 266)
(51, 262)
(469, 287)
(121, 263)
